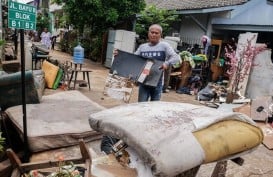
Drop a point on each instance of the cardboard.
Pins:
(245, 109)
(260, 108)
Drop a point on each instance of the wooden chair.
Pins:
(20, 169)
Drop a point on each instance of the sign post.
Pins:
(22, 16)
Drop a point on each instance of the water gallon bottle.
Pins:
(78, 54)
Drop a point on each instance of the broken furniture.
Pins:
(118, 87)
(39, 53)
(59, 120)
(76, 69)
(178, 136)
(137, 68)
(11, 88)
(21, 169)
(201, 68)
(175, 79)
(11, 66)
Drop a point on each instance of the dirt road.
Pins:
(257, 164)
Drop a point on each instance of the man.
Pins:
(159, 50)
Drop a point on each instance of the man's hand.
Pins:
(164, 66)
(115, 52)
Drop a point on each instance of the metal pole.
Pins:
(1, 29)
(26, 148)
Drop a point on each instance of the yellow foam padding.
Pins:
(51, 72)
(227, 138)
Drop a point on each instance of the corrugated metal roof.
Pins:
(193, 4)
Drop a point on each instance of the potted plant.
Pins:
(239, 65)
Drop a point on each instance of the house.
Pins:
(220, 19)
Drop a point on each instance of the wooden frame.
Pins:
(22, 168)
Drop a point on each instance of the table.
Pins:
(76, 69)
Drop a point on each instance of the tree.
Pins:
(99, 15)
(43, 21)
(152, 15)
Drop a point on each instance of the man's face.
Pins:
(154, 35)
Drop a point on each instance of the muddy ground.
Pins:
(256, 164)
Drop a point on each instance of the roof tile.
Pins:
(193, 4)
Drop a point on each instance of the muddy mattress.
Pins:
(171, 138)
(60, 120)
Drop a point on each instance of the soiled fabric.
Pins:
(11, 89)
(161, 133)
(60, 120)
(226, 138)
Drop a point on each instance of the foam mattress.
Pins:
(60, 120)
(172, 138)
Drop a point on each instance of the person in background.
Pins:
(46, 38)
(158, 50)
(206, 41)
(53, 41)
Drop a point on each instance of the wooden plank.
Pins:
(22, 168)
(48, 164)
(268, 134)
(5, 168)
(220, 169)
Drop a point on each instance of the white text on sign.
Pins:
(22, 7)
(22, 16)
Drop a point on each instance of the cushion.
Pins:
(58, 79)
(228, 137)
(51, 72)
(60, 120)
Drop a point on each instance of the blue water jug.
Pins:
(78, 54)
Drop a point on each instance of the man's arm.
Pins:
(172, 56)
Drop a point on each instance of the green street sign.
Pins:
(21, 16)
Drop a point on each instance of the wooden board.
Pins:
(131, 66)
(268, 134)
(242, 42)
(118, 87)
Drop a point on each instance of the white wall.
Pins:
(190, 32)
(260, 81)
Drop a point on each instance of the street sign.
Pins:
(21, 16)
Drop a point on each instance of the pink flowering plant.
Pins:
(239, 64)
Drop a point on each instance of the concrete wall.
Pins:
(261, 77)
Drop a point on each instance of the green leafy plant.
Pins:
(2, 142)
(2, 42)
(152, 15)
